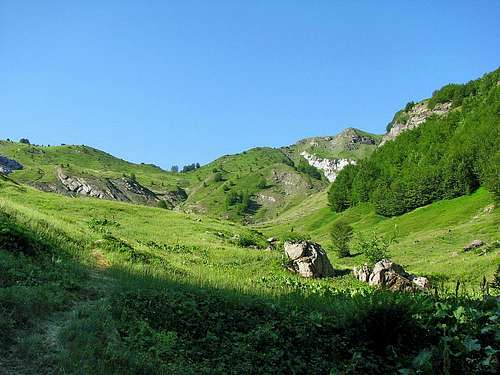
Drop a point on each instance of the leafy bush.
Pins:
(341, 234)
(374, 247)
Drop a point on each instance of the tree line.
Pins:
(445, 157)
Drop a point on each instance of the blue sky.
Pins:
(174, 82)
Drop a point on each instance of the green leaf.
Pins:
(472, 345)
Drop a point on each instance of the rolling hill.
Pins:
(97, 277)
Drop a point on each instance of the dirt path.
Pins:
(46, 331)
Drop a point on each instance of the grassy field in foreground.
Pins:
(102, 287)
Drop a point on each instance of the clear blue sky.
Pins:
(172, 82)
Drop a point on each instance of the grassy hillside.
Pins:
(429, 239)
(255, 184)
(251, 186)
(95, 286)
(40, 164)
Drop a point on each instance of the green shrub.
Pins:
(162, 204)
(341, 234)
(374, 247)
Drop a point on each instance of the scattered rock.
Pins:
(308, 259)
(390, 275)
(489, 209)
(473, 245)
(9, 165)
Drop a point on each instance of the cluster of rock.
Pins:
(474, 245)
(9, 165)
(329, 167)
(357, 139)
(308, 259)
(390, 275)
(416, 116)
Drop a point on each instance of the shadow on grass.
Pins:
(145, 322)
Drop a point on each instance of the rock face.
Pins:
(474, 245)
(9, 165)
(388, 274)
(416, 116)
(308, 259)
(330, 167)
(122, 189)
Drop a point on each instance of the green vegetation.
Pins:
(340, 146)
(341, 234)
(99, 295)
(107, 287)
(428, 241)
(373, 247)
(446, 157)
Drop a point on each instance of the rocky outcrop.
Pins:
(414, 117)
(122, 189)
(78, 185)
(173, 198)
(9, 165)
(474, 245)
(329, 167)
(390, 275)
(308, 259)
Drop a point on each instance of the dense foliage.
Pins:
(444, 158)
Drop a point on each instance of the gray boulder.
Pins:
(362, 273)
(390, 275)
(308, 259)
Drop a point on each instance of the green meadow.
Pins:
(95, 286)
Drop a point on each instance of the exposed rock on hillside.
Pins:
(413, 118)
(308, 259)
(122, 189)
(474, 245)
(390, 275)
(330, 167)
(289, 182)
(9, 165)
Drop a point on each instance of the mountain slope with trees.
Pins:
(445, 157)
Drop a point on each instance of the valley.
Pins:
(111, 267)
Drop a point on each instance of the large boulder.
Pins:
(308, 259)
(390, 275)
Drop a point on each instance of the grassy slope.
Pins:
(430, 239)
(242, 173)
(191, 302)
(40, 163)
